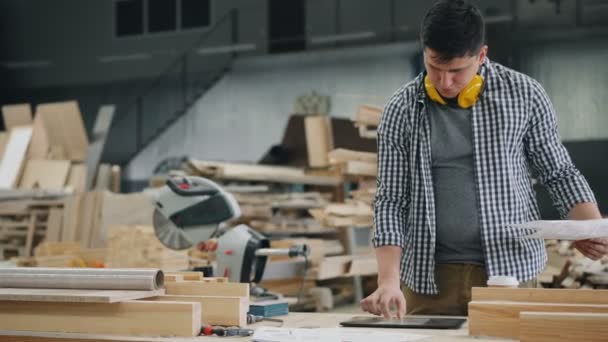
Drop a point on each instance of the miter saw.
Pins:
(190, 210)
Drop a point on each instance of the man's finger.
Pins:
(400, 307)
(385, 309)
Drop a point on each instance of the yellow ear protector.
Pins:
(467, 97)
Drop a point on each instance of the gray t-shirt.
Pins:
(458, 233)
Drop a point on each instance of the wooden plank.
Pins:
(53, 225)
(359, 168)
(3, 142)
(566, 296)
(228, 311)
(71, 217)
(14, 156)
(17, 115)
(59, 124)
(250, 172)
(103, 180)
(186, 275)
(563, 327)
(319, 140)
(173, 278)
(98, 140)
(77, 177)
(501, 318)
(45, 174)
(74, 295)
(201, 288)
(31, 230)
(342, 155)
(368, 115)
(115, 178)
(141, 318)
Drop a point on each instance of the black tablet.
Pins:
(410, 322)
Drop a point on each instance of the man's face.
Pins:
(450, 77)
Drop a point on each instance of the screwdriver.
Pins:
(229, 331)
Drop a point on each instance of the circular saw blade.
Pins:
(168, 233)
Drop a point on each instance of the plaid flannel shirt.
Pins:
(515, 137)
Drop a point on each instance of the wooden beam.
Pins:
(501, 319)
(17, 115)
(368, 115)
(566, 296)
(341, 155)
(74, 295)
(139, 318)
(228, 311)
(262, 173)
(563, 327)
(200, 288)
(186, 275)
(14, 155)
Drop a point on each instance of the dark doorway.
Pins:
(286, 22)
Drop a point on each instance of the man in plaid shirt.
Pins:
(457, 149)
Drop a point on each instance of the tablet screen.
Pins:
(406, 322)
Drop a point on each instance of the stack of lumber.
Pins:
(81, 217)
(349, 214)
(52, 151)
(187, 302)
(64, 254)
(539, 314)
(138, 247)
(354, 163)
(367, 120)
(24, 223)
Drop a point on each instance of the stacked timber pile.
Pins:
(367, 120)
(45, 302)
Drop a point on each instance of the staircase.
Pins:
(161, 102)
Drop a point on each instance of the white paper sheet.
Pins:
(566, 229)
(272, 334)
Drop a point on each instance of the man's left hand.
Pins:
(593, 249)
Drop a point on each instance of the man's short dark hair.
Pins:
(453, 28)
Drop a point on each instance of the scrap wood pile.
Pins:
(47, 165)
(568, 268)
(44, 302)
(52, 150)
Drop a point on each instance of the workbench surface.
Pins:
(293, 320)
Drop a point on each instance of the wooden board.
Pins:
(250, 172)
(98, 141)
(319, 140)
(103, 180)
(342, 155)
(45, 174)
(74, 296)
(77, 177)
(501, 319)
(227, 311)
(566, 296)
(53, 225)
(59, 129)
(360, 168)
(17, 115)
(563, 327)
(12, 161)
(3, 142)
(186, 275)
(368, 115)
(127, 318)
(201, 288)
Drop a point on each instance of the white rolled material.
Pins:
(82, 278)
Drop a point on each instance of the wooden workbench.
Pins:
(294, 320)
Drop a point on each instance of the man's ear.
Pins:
(482, 54)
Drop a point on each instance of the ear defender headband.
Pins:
(467, 97)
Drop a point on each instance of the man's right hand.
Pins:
(384, 300)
